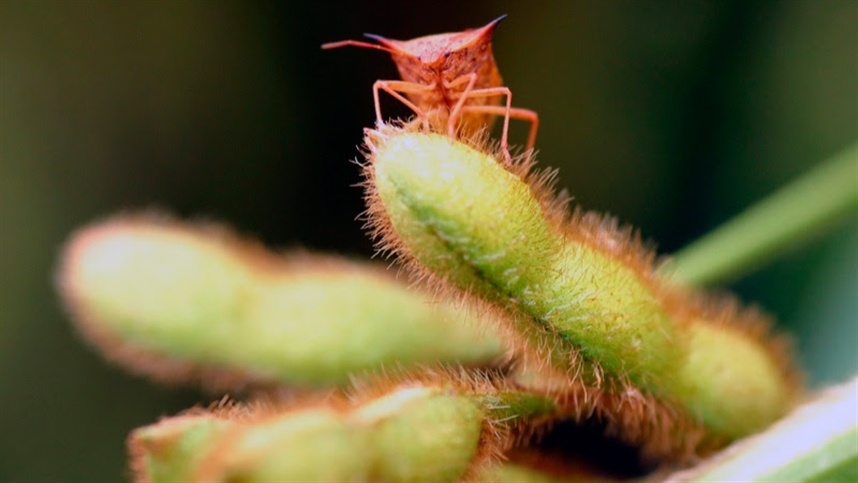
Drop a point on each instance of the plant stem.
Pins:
(797, 212)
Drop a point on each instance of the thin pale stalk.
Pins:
(794, 214)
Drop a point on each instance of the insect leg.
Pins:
(394, 88)
(515, 113)
(471, 79)
(505, 111)
(530, 116)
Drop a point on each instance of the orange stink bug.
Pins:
(451, 81)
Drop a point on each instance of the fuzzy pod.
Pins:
(172, 449)
(422, 434)
(480, 227)
(578, 287)
(306, 445)
(188, 302)
(413, 432)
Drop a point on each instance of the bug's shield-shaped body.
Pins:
(451, 81)
(441, 67)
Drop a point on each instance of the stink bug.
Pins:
(451, 81)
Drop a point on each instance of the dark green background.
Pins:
(672, 115)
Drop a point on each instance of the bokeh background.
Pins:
(672, 115)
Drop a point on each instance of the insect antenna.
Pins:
(358, 43)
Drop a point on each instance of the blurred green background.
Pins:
(672, 115)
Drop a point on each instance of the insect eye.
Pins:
(447, 54)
